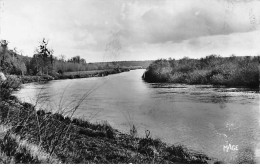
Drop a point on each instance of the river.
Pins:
(221, 122)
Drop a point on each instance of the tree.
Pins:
(77, 59)
(4, 46)
(43, 59)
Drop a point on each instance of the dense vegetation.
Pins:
(216, 70)
(36, 136)
(10, 61)
(43, 62)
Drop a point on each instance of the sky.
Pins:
(112, 30)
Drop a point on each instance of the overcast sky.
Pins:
(106, 30)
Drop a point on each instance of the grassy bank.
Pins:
(36, 136)
(72, 75)
(229, 71)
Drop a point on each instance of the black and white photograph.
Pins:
(130, 82)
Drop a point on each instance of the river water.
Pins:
(223, 123)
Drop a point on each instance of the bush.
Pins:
(158, 71)
(247, 75)
(178, 77)
(198, 77)
(47, 77)
(11, 84)
(218, 79)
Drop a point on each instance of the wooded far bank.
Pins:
(231, 71)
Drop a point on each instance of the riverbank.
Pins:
(211, 70)
(70, 140)
(37, 136)
(72, 75)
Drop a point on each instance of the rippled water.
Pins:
(222, 122)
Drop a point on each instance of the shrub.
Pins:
(11, 84)
(218, 79)
(47, 77)
(158, 71)
(178, 77)
(247, 75)
(198, 77)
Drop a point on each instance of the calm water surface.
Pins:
(222, 122)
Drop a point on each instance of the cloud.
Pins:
(239, 44)
(200, 18)
(87, 27)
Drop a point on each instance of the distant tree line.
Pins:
(43, 62)
(213, 69)
(10, 60)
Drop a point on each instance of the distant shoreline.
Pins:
(73, 75)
